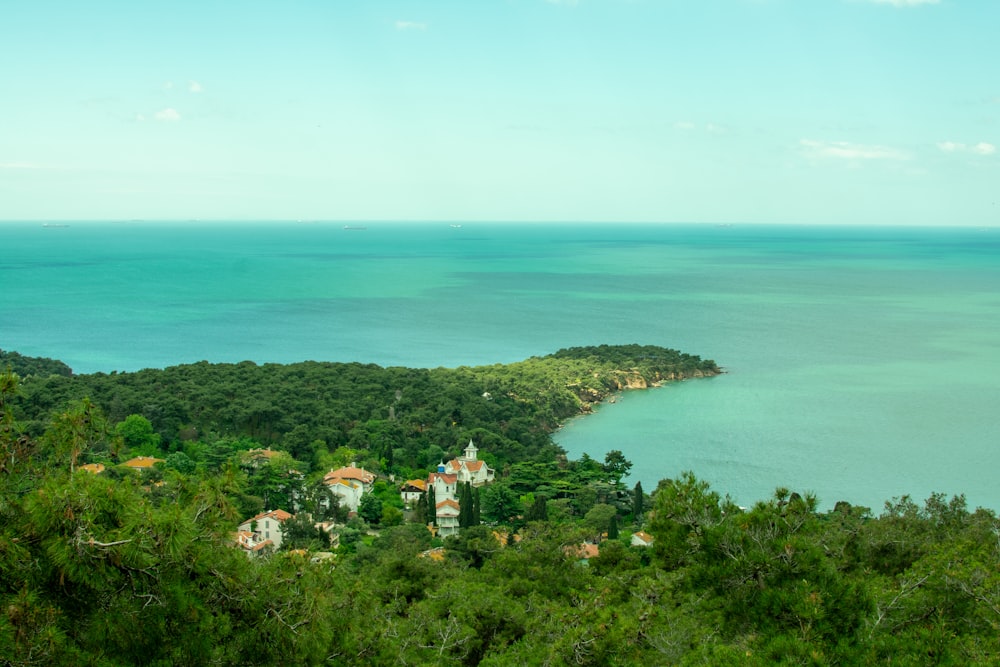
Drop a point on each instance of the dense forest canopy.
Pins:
(106, 564)
(394, 413)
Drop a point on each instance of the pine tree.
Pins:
(420, 511)
(476, 520)
(539, 511)
(465, 506)
(431, 505)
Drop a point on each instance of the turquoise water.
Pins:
(862, 363)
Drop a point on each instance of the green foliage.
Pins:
(109, 568)
(329, 414)
(539, 510)
(500, 504)
(370, 508)
(180, 462)
(638, 502)
(685, 509)
(391, 516)
(616, 466)
(26, 367)
(137, 435)
(466, 511)
(598, 519)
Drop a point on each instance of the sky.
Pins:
(718, 111)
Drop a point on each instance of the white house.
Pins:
(446, 484)
(348, 492)
(642, 539)
(412, 490)
(469, 468)
(349, 484)
(266, 526)
(447, 511)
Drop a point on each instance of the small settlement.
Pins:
(349, 485)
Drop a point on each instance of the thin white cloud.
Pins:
(982, 148)
(410, 25)
(167, 115)
(842, 150)
(905, 3)
(167, 85)
(710, 128)
(195, 87)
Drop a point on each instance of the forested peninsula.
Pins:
(346, 513)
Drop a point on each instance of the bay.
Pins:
(862, 363)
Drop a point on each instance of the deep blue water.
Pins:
(862, 363)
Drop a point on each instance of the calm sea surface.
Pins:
(862, 364)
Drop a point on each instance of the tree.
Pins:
(391, 516)
(598, 519)
(685, 509)
(420, 510)
(638, 502)
(75, 431)
(476, 508)
(370, 508)
(137, 434)
(431, 505)
(613, 528)
(539, 510)
(466, 507)
(500, 503)
(180, 462)
(616, 465)
(300, 532)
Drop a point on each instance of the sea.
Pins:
(862, 363)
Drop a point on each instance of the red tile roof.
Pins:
(142, 462)
(277, 515)
(266, 453)
(645, 537)
(350, 472)
(262, 545)
(583, 551)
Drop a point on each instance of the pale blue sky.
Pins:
(789, 111)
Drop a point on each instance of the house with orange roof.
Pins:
(95, 468)
(447, 511)
(469, 468)
(266, 526)
(446, 483)
(353, 473)
(349, 484)
(142, 462)
(412, 490)
(254, 457)
(435, 554)
(642, 539)
(582, 552)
